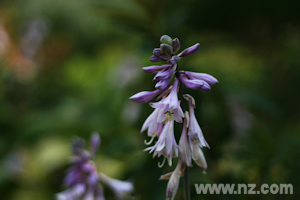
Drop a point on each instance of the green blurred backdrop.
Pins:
(68, 67)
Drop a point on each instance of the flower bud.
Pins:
(95, 141)
(144, 96)
(176, 45)
(165, 39)
(198, 156)
(190, 50)
(166, 49)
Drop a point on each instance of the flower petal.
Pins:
(154, 68)
(202, 76)
(144, 96)
(190, 50)
(194, 84)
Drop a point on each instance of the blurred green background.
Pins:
(68, 67)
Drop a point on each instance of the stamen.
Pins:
(151, 140)
(170, 160)
(204, 172)
(169, 114)
(160, 165)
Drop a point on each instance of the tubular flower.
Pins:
(160, 123)
(82, 179)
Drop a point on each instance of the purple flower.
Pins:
(117, 186)
(171, 103)
(173, 183)
(155, 68)
(194, 84)
(195, 131)
(145, 96)
(162, 84)
(152, 123)
(165, 73)
(95, 141)
(166, 144)
(82, 178)
(198, 156)
(154, 58)
(190, 50)
(160, 123)
(202, 76)
(71, 193)
(184, 148)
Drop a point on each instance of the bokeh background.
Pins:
(68, 67)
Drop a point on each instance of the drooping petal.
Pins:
(184, 148)
(190, 50)
(166, 144)
(178, 115)
(202, 76)
(195, 131)
(144, 96)
(151, 121)
(173, 183)
(198, 156)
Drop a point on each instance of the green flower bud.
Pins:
(165, 39)
(166, 49)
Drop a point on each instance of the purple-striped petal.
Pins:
(155, 68)
(202, 76)
(194, 84)
(190, 50)
(144, 96)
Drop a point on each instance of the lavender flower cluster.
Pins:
(160, 123)
(83, 180)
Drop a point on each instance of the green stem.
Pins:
(186, 182)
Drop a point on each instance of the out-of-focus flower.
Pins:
(118, 187)
(82, 179)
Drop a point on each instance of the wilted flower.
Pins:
(160, 123)
(82, 179)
